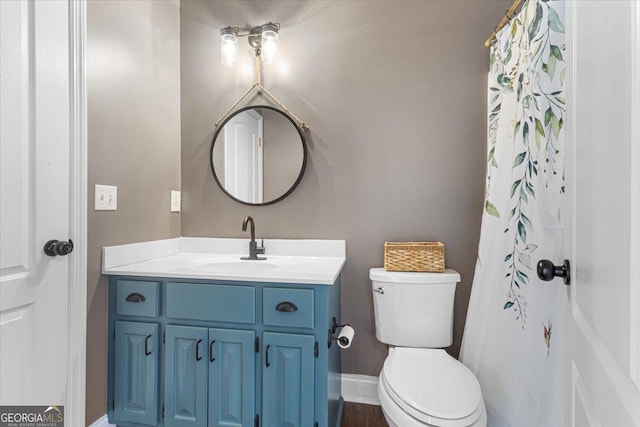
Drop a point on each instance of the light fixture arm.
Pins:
(257, 30)
(258, 84)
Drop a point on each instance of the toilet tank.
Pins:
(414, 309)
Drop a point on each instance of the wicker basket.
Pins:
(414, 256)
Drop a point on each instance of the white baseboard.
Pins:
(102, 422)
(355, 388)
(360, 389)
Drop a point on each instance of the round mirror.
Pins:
(258, 155)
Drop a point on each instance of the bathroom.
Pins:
(395, 97)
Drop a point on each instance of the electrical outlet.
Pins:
(106, 198)
(175, 201)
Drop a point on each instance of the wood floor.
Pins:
(359, 415)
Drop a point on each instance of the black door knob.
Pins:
(547, 271)
(58, 248)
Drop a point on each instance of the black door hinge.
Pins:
(315, 424)
(256, 345)
(164, 336)
(256, 421)
(315, 350)
(162, 411)
(113, 404)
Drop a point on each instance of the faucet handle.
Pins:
(260, 249)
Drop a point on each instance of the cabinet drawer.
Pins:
(137, 298)
(288, 307)
(217, 303)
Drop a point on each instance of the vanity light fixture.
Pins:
(269, 43)
(229, 46)
(263, 38)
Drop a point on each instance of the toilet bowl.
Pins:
(427, 387)
(420, 384)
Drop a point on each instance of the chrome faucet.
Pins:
(254, 249)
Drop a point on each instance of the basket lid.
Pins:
(417, 244)
(381, 275)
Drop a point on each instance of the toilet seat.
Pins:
(398, 417)
(432, 387)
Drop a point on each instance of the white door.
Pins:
(243, 156)
(34, 200)
(602, 367)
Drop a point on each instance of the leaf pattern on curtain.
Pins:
(526, 63)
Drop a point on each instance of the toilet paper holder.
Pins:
(332, 331)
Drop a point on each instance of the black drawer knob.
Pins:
(135, 297)
(287, 307)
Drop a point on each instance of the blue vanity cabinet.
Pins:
(288, 380)
(185, 376)
(231, 378)
(136, 372)
(209, 377)
(222, 353)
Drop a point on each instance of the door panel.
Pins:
(34, 200)
(602, 182)
(136, 372)
(185, 376)
(600, 168)
(243, 156)
(288, 386)
(231, 378)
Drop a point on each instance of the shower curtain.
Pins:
(513, 334)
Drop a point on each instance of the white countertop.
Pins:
(288, 261)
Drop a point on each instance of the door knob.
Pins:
(547, 271)
(57, 247)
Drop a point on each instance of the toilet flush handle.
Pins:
(380, 290)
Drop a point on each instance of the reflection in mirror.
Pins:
(258, 155)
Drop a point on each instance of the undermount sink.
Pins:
(249, 266)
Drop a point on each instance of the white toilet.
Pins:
(420, 384)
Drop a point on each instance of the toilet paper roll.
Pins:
(346, 336)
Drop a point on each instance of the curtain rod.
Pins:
(508, 16)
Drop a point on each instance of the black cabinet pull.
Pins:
(267, 364)
(146, 346)
(135, 297)
(198, 357)
(211, 358)
(287, 306)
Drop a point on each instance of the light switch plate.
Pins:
(106, 198)
(175, 201)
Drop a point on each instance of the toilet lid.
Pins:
(381, 275)
(431, 382)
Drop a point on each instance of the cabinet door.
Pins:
(288, 372)
(185, 391)
(136, 373)
(231, 378)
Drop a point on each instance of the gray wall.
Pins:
(395, 95)
(134, 143)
